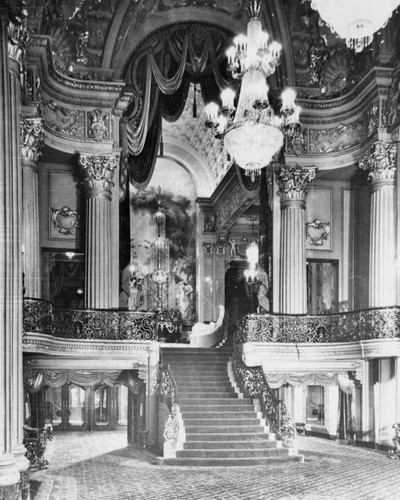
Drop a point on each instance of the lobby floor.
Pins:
(89, 466)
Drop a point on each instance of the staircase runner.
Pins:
(220, 428)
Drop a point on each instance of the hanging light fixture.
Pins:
(251, 273)
(160, 246)
(253, 133)
(356, 20)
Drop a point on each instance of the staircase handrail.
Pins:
(166, 384)
(253, 383)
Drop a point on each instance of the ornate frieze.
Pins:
(339, 138)
(229, 205)
(293, 181)
(97, 172)
(380, 161)
(31, 132)
(99, 125)
(63, 121)
(65, 220)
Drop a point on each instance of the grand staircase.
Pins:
(220, 427)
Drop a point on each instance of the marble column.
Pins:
(12, 461)
(17, 39)
(31, 140)
(381, 163)
(292, 183)
(97, 171)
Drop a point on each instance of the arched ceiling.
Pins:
(96, 39)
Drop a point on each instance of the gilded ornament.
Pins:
(31, 133)
(65, 220)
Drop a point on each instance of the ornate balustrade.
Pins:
(252, 382)
(367, 324)
(174, 432)
(43, 317)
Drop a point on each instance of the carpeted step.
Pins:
(204, 390)
(205, 395)
(223, 437)
(221, 421)
(219, 408)
(212, 401)
(206, 414)
(228, 462)
(219, 445)
(221, 429)
(234, 453)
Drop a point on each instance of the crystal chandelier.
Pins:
(160, 246)
(253, 133)
(355, 20)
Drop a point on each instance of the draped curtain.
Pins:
(276, 380)
(34, 380)
(160, 76)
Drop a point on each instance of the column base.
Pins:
(9, 478)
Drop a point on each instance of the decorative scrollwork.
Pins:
(38, 316)
(41, 317)
(253, 383)
(317, 232)
(65, 220)
(344, 327)
(166, 386)
(36, 443)
(137, 326)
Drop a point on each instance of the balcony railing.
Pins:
(40, 316)
(367, 324)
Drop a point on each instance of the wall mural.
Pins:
(163, 245)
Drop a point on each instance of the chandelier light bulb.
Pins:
(227, 97)
(211, 110)
(288, 99)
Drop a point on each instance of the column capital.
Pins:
(97, 173)
(380, 160)
(31, 133)
(293, 181)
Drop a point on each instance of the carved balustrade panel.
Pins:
(42, 317)
(346, 327)
(166, 386)
(137, 326)
(38, 316)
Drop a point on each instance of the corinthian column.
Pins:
(31, 141)
(381, 163)
(97, 178)
(12, 460)
(292, 182)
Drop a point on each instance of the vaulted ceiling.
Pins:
(96, 39)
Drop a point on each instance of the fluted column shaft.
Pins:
(293, 278)
(31, 139)
(97, 172)
(381, 163)
(10, 276)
